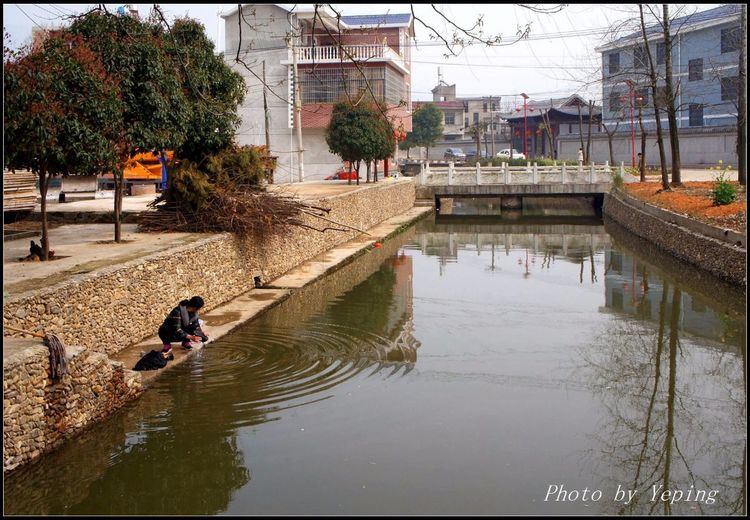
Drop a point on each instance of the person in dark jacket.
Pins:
(182, 324)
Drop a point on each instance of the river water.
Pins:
(473, 364)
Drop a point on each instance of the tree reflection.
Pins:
(675, 415)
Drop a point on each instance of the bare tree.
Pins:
(670, 94)
(610, 135)
(580, 131)
(655, 96)
(642, 162)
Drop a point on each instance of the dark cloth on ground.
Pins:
(152, 361)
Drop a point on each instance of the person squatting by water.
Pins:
(183, 325)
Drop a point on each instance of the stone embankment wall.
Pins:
(118, 306)
(722, 253)
(39, 413)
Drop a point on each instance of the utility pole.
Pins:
(265, 109)
(297, 104)
(492, 125)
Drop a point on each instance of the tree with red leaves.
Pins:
(62, 112)
(155, 111)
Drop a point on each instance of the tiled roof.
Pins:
(370, 20)
(688, 20)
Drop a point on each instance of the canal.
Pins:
(474, 364)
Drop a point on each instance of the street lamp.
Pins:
(525, 97)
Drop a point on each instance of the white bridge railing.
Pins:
(452, 175)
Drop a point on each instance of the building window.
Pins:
(614, 101)
(730, 39)
(466, 122)
(494, 106)
(450, 118)
(640, 60)
(476, 117)
(660, 54)
(729, 88)
(614, 62)
(695, 69)
(570, 128)
(696, 114)
(484, 107)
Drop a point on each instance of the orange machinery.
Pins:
(146, 166)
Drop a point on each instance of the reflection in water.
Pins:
(461, 368)
(665, 397)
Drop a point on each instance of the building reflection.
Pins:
(632, 286)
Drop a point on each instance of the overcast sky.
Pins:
(557, 60)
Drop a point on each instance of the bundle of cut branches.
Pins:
(245, 210)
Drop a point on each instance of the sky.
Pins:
(557, 60)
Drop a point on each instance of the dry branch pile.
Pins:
(244, 210)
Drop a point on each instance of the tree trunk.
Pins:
(580, 130)
(368, 164)
(742, 103)
(674, 138)
(359, 163)
(375, 172)
(119, 178)
(652, 75)
(642, 162)
(588, 139)
(43, 186)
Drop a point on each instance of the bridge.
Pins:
(451, 181)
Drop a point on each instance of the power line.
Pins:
(27, 16)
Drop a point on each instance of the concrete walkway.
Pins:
(81, 248)
(225, 318)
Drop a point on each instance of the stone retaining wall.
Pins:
(118, 306)
(39, 413)
(719, 257)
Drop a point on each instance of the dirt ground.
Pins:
(694, 199)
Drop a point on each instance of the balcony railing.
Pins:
(332, 53)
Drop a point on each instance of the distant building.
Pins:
(460, 114)
(705, 60)
(376, 58)
(563, 117)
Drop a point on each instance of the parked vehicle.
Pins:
(342, 176)
(510, 154)
(454, 154)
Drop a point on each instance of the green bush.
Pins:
(617, 179)
(189, 187)
(724, 192)
(244, 165)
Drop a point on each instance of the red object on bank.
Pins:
(342, 175)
